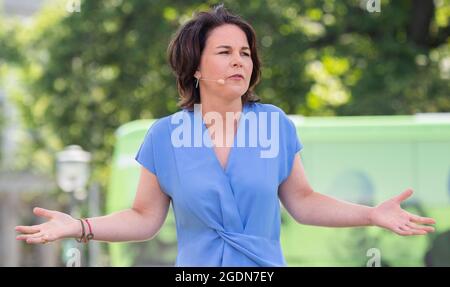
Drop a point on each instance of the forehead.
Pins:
(228, 34)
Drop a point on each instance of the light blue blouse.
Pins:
(224, 216)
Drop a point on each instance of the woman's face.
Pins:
(226, 53)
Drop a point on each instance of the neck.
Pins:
(228, 129)
(221, 107)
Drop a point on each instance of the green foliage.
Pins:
(88, 72)
(78, 76)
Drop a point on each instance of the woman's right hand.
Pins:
(59, 225)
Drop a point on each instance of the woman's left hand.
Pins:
(391, 216)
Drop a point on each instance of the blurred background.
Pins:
(367, 83)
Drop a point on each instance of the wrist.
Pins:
(370, 216)
(77, 230)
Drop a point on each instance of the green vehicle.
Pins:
(359, 159)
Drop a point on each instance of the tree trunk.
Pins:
(419, 26)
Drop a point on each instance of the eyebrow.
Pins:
(228, 47)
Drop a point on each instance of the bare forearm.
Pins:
(125, 225)
(322, 210)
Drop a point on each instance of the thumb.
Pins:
(41, 212)
(404, 195)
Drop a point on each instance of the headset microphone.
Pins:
(219, 81)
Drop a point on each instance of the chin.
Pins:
(236, 92)
(234, 96)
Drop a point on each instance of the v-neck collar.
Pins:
(209, 146)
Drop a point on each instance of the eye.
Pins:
(226, 52)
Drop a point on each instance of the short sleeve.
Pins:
(292, 145)
(145, 155)
(296, 144)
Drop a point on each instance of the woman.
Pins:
(225, 193)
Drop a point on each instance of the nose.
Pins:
(236, 60)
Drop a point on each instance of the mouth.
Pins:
(236, 77)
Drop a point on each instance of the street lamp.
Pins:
(72, 170)
(72, 175)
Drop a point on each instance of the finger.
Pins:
(28, 229)
(27, 236)
(420, 227)
(418, 232)
(41, 212)
(422, 220)
(402, 231)
(38, 240)
(404, 195)
(410, 231)
(49, 237)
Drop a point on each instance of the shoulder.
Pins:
(162, 127)
(159, 127)
(260, 107)
(269, 108)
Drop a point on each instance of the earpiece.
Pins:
(219, 81)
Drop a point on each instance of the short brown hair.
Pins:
(185, 50)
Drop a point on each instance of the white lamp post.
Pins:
(72, 175)
(73, 170)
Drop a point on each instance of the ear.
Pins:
(198, 75)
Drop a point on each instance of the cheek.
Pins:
(217, 67)
(249, 71)
(249, 66)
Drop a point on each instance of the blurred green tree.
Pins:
(82, 73)
(90, 71)
(10, 55)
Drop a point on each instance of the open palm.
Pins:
(59, 225)
(391, 216)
